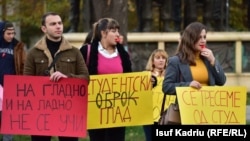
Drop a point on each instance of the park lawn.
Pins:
(133, 133)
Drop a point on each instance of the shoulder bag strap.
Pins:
(164, 98)
(88, 52)
(52, 64)
(163, 103)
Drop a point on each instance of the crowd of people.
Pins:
(108, 56)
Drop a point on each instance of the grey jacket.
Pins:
(179, 74)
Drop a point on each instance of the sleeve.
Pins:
(29, 67)
(173, 77)
(169, 82)
(218, 73)
(83, 51)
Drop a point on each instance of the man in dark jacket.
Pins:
(12, 56)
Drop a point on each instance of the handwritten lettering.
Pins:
(213, 105)
(42, 122)
(55, 104)
(66, 90)
(114, 114)
(108, 100)
(72, 123)
(19, 121)
(217, 116)
(212, 98)
(129, 83)
(24, 90)
(45, 107)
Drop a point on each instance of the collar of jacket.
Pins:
(41, 44)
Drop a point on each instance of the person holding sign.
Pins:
(194, 64)
(157, 63)
(106, 56)
(12, 57)
(53, 45)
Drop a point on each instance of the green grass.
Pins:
(133, 133)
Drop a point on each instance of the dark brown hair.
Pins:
(43, 20)
(103, 25)
(190, 36)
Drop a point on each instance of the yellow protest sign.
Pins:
(119, 100)
(212, 105)
(158, 98)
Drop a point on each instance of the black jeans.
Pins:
(48, 138)
(107, 134)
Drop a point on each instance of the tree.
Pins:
(29, 12)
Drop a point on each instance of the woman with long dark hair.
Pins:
(106, 56)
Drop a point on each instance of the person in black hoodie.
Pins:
(12, 57)
(106, 56)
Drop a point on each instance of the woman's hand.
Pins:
(195, 84)
(209, 55)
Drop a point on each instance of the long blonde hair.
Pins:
(150, 64)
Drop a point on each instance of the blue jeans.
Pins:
(7, 137)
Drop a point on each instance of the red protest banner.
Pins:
(33, 105)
